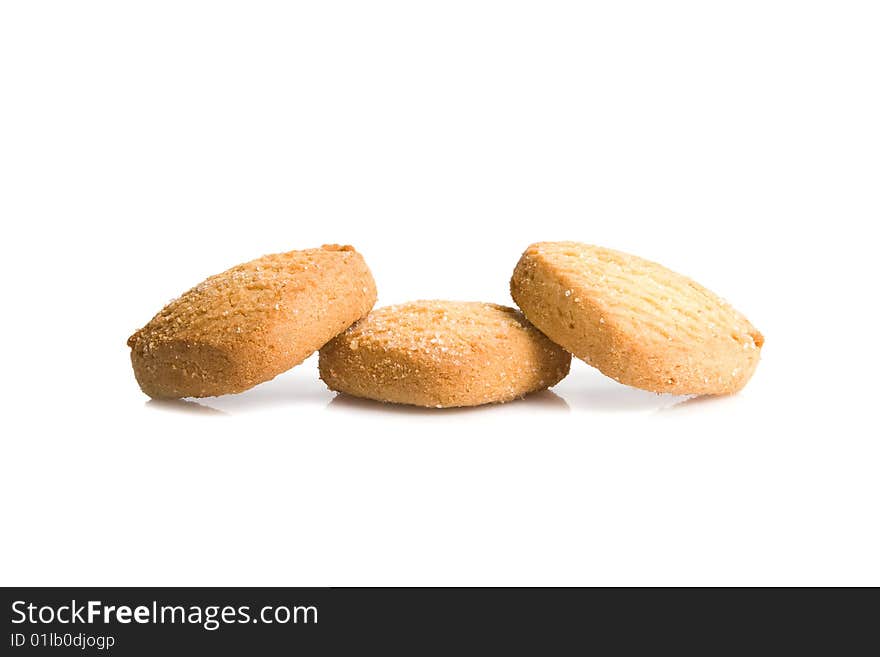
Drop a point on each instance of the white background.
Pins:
(144, 146)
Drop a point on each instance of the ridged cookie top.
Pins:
(642, 297)
(248, 298)
(441, 329)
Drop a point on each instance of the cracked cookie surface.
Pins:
(635, 320)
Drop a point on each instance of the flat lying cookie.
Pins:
(634, 320)
(442, 353)
(251, 323)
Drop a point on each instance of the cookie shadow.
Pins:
(293, 388)
(542, 400)
(699, 403)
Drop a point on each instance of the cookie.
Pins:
(635, 320)
(442, 353)
(251, 323)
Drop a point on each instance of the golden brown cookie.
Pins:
(634, 320)
(442, 353)
(251, 323)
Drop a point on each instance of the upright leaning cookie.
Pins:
(634, 320)
(251, 323)
(442, 353)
